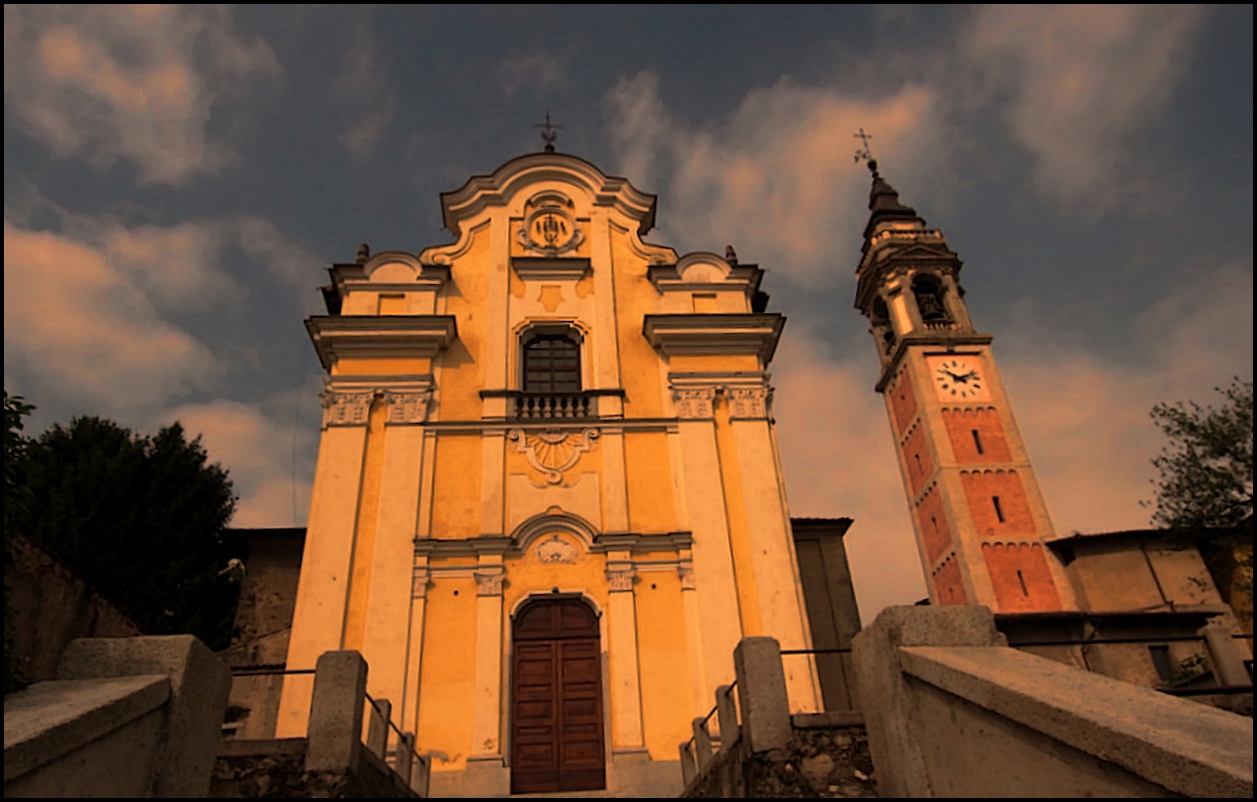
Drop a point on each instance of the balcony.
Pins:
(584, 405)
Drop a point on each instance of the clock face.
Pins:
(959, 378)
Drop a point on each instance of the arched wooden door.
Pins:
(556, 699)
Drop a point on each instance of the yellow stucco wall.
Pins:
(356, 366)
(661, 643)
(635, 298)
(449, 660)
(456, 487)
(648, 470)
(462, 374)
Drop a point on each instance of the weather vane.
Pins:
(863, 151)
(549, 134)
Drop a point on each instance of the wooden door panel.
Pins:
(557, 732)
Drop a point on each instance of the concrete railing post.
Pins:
(762, 694)
(405, 755)
(420, 775)
(727, 713)
(702, 744)
(1225, 656)
(377, 726)
(688, 770)
(334, 738)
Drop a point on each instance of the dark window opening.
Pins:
(552, 364)
(999, 510)
(928, 291)
(1022, 580)
(1161, 661)
(977, 441)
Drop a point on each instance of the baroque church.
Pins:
(549, 502)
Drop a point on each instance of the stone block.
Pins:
(762, 694)
(335, 730)
(199, 685)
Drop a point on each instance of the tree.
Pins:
(1205, 492)
(141, 519)
(1207, 470)
(16, 449)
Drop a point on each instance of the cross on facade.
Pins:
(549, 133)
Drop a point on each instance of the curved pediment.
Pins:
(520, 175)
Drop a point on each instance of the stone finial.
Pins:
(364, 253)
(731, 256)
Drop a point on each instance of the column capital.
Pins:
(489, 580)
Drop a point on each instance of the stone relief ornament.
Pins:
(550, 228)
(748, 402)
(556, 550)
(345, 408)
(551, 452)
(694, 402)
(407, 407)
(620, 578)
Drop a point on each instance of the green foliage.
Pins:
(1187, 670)
(16, 448)
(1207, 470)
(140, 519)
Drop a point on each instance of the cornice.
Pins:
(636, 543)
(703, 334)
(335, 336)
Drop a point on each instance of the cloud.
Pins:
(83, 328)
(1086, 419)
(362, 88)
(137, 82)
(92, 311)
(777, 175)
(839, 461)
(533, 72)
(1080, 84)
(266, 458)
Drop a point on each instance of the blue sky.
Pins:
(176, 179)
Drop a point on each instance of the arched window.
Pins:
(552, 363)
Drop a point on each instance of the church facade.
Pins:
(548, 501)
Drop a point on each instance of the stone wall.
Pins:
(828, 757)
(275, 769)
(52, 607)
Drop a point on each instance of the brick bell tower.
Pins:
(979, 517)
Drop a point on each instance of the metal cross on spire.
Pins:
(863, 151)
(549, 134)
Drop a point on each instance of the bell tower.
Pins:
(976, 507)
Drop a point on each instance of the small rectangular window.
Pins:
(999, 510)
(977, 441)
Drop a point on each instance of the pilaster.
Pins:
(486, 741)
(626, 697)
